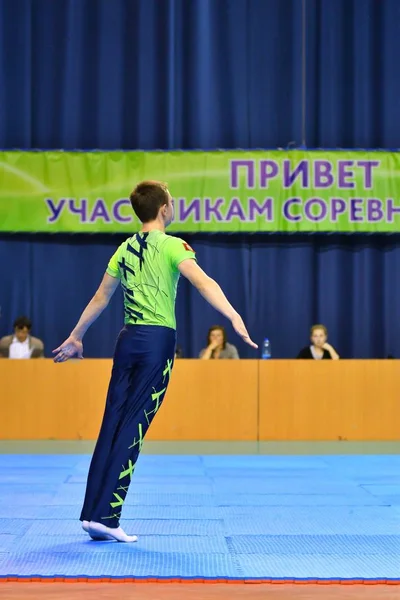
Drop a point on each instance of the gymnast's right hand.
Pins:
(71, 348)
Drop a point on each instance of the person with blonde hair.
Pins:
(319, 347)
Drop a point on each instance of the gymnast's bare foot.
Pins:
(85, 527)
(100, 531)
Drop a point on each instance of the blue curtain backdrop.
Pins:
(281, 285)
(199, 73)
(204, 74)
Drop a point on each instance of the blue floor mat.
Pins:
(241, 517)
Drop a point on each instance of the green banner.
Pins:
(221, 191)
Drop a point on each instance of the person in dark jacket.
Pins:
(319, 347)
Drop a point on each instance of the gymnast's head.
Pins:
(152, 202)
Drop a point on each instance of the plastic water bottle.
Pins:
(266, 349)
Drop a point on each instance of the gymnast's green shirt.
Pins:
(147, 265)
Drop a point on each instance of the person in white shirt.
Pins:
(21, 344)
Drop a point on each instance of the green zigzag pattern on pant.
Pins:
(128, 471)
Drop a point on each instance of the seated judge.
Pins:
(21, 344)
(217, 346)
(319, 347)
(178, 352)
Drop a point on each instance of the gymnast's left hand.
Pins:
(71, 348)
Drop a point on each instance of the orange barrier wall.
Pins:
(329, 400)
(244, 400)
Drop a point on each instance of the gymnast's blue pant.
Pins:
(142, 365)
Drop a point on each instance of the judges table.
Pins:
(225, 400)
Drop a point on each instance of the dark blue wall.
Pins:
(199, 73)
(280, 284)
